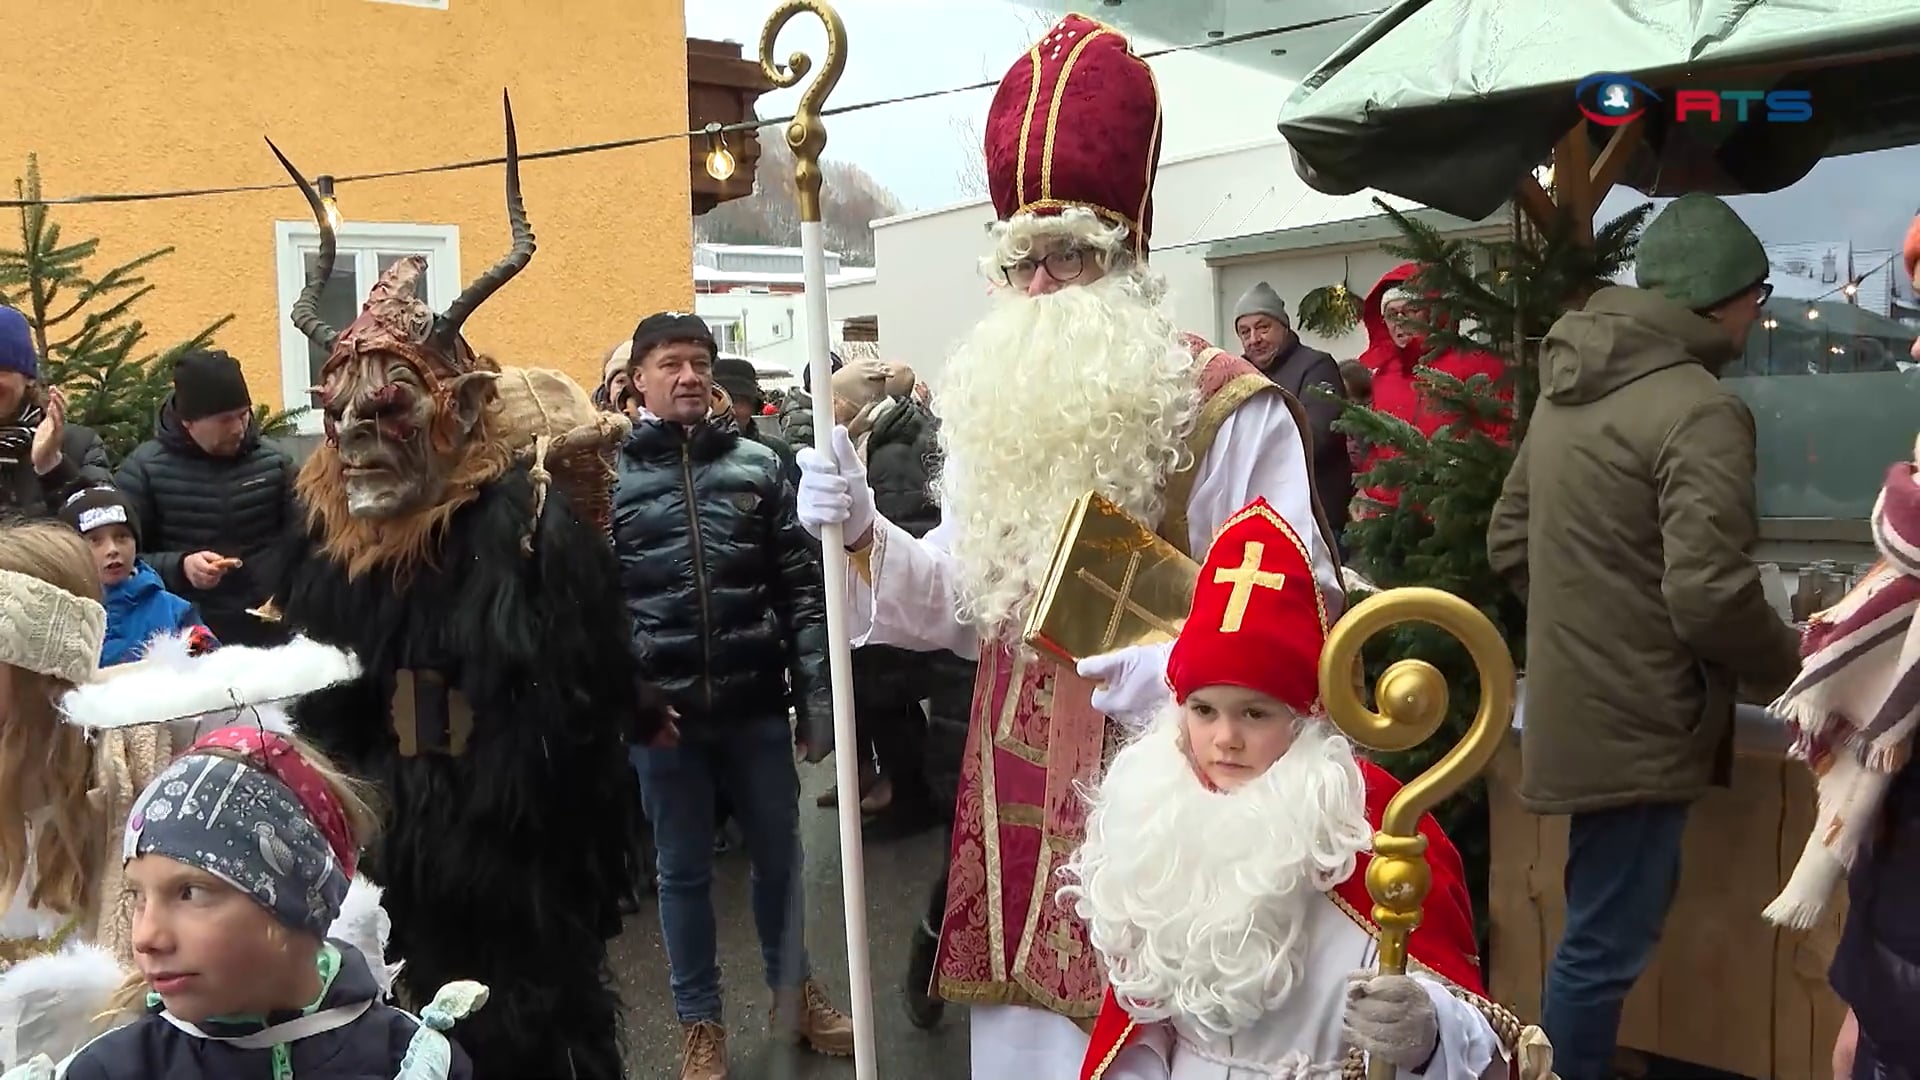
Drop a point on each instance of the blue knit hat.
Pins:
(16, 344)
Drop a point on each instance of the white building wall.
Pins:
(769, 327)
(930, 290)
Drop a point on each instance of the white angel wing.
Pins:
(54, 1004)
(366, 926)
(169, 685)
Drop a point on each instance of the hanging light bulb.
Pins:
(1770, 323)
(720, 161)
(327, 202)
(1850, 288)
(1813, 313)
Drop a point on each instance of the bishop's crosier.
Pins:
(1076, 380)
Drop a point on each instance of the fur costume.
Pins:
(499, 691)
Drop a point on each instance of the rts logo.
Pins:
(1615, 100)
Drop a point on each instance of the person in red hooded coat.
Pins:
(1396, 345)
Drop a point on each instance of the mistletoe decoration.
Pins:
(1330, 310)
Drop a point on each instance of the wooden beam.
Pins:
(1612, 162)
(1536, 202)
(1573, 183)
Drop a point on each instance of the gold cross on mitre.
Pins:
(1245, 578)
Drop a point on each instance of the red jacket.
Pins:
(1394, 390)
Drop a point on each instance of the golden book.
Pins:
(1112, 583)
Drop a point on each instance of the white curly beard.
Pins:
(1196, 899)
(1085, 389)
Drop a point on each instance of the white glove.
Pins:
(1131, 682)
(1390, 1017)
(834, 490)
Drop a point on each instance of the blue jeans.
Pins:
(1623, 866)
(752, 763)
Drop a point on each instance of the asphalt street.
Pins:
(898, 877)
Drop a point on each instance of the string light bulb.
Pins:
(1770, 322)
(720, 163)
(1851, 288)
(328, 203)
(1813, 313)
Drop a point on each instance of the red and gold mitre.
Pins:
(1258, 619)
(1076, 123)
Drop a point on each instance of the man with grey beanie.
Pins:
(1627, 522)
(1269, 343)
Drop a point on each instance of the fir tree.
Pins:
(88, 340)
(1497, 297)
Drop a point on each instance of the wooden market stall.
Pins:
(1727, 989)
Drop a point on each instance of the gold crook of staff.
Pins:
(1412, 698)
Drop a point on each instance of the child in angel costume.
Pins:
(238, 858)
(78, 744)
(1222, 880)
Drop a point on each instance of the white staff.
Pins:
(807, 136)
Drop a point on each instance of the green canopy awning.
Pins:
(1452, 102)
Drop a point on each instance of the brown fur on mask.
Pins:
(362, 544)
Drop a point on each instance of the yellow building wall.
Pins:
(142, 95)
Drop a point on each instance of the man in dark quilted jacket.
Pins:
(213, 499)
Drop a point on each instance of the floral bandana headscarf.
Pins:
(266, 825)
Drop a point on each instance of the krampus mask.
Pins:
(405, 401)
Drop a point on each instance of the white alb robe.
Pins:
(913, 603)
(1301, 1039)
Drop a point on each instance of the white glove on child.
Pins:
(1390, 1017)
(1132, 682)
(834, 490)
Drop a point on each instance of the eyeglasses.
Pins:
(1766, 292)
(1062, 266)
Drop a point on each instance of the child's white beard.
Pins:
(1196, 899)
(1050, 397)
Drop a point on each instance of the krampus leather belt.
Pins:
(429, 717)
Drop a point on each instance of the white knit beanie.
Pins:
(48, 630)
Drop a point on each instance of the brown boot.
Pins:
(704, 1055)
(804, 1016)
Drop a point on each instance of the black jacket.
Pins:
(901, 451)
(1298, 371)
(782, 449)
(243, 507)
(369, 1048)
(83, 463)
(1876, 968)
(721, 582)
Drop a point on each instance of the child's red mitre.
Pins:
(1258, 619)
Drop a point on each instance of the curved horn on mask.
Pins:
(447, 326)
(306, 310)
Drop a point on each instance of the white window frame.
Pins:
(364, 241)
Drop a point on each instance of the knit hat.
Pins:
(806, 371)
(1258, 619)
(668, 326)
(736, 375)
(207, 382)
(16, 344)
(97, 507)
(1699, 253)
(47, 630)
(1262, 300)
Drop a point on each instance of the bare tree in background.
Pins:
(971, 176)
(850, 200)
